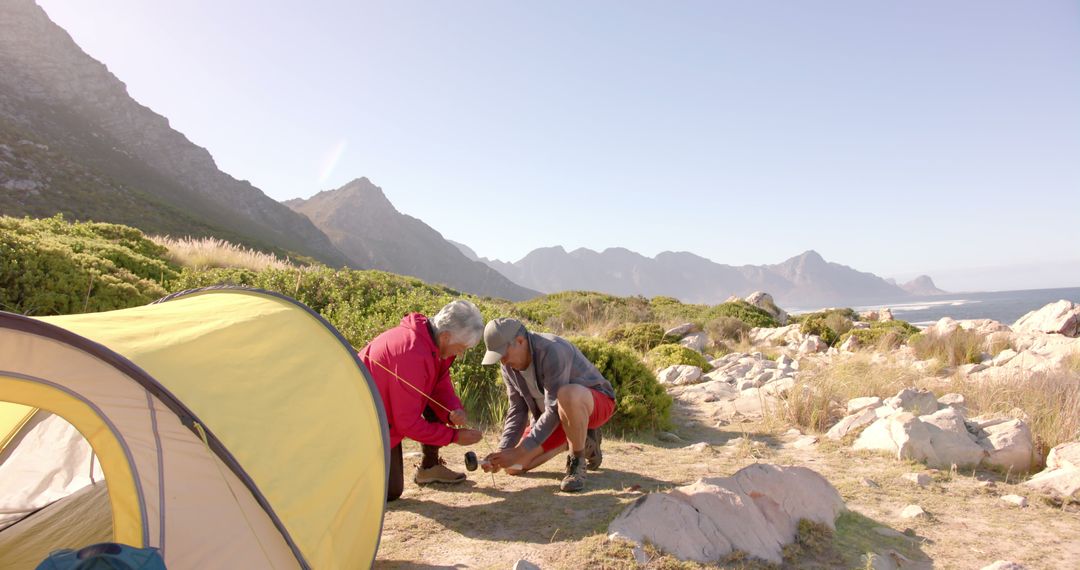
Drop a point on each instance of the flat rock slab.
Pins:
(756, 510)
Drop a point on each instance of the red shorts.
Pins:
(603, 408)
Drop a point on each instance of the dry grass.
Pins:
(1050, 402)
(820, 395)
(959, 347)
(204, 253)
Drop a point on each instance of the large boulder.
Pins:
(695, 341)
(681, 330)
(901, 435)
(1062, 317)
(851, 423)
(1007, 441)
(756, 511)
(952, 442)
(1061, 478)
(764, 301)
(811, 344)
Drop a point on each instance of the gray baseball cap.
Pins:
(498, 334)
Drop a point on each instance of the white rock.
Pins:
(857, 404)
(913, 512)
(920, 479)
(525, 565)
(952, 400)
(1061, 478)
(918, 402)
(1004, 565)
(681, 330)
(695, 341)
(901, 435)
(1004, 357)
(755, 511)
(969, 369)
(1062, 317)
(699, 447)
(1015, 500)
(885, 314)
(1008, 444)
(765, 302)
(811, 344)
(851, 423)
(679, 375)
(779, 387)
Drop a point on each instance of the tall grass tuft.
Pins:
(819, 397)
(1051, 402)
(209, 253)
(953, 349)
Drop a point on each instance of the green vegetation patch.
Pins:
(641, 337)
(51, 267)
(745, 312)
(641, 402)
(830, 324)
(671, 354)
(882, 334)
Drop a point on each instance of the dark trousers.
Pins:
(396, 485)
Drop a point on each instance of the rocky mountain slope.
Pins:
(803, 280)
(73, 141)
(363, 224)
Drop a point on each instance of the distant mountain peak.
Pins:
(922, 285)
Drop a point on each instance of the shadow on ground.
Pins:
(538, 514)
(858, 535)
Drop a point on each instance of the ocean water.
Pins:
(1003, 306)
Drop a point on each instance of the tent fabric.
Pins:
(80, 518)
(46, 461)
(252, 433)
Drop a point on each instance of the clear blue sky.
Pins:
(897, 137)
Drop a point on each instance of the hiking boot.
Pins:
(594, 457)
(437, 474)
(575, 474)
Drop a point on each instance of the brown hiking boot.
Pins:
(437, 474)
(575, 474)
(593, 456)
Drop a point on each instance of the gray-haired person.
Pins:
(410, 364)
(566, 395)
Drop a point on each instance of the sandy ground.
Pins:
(491, 524)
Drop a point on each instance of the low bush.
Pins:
(671, 354)
(641, 337)
(745, 312)
(641, 402)
(50, 266)
(884, 335)
(958, 347)
(726, 328)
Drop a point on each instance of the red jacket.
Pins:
(410, 352)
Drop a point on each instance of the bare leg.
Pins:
(575, 407)
(534, 460)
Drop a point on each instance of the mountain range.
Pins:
(804, 280)
(74, 142)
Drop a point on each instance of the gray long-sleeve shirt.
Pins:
(556, 363)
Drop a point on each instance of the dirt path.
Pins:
(481, 524)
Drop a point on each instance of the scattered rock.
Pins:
(857, 404)
(952, 401)
(850, 423)
(679, 375)
(869, 483)
(885, 314)
(1015, 500)
(1004, 565)
(913, 512)
(920, 479)
(525, 565)
(811, 344)
(681, 330)
(699, 447)
(918, 402)
(695, 341)
(1008, 443)
(755, 511)
(1061, 478)
(765, 302)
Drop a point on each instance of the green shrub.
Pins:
(50, 266)
(670, 354)
(830, 325)
(577, 311)
(641, 337)
(641, 402)
(846, 312)
(882, 334)
(745, 312)
(726, 328)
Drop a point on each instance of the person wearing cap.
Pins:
(410, 364)
(566, 395)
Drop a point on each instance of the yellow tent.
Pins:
(235, 428)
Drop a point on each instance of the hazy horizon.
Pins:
(921, 138)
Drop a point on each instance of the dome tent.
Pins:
(234, 427)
